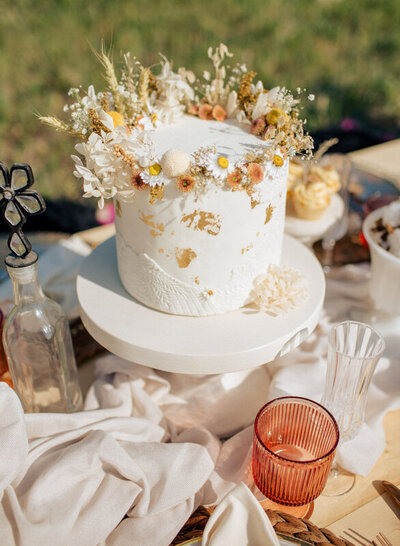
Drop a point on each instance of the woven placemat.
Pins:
(283, 524)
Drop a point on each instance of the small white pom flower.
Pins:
(174, 163)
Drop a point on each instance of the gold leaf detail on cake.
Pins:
(268, 214)
(118, 210)
(200, 220)
(156, 192)
(158, 229)
(161, 250)
(247, 248)
(184, 256)
(253, 202)
(197, 280)
(250, 189)
(250, 192)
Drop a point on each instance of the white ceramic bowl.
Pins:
(385, 269)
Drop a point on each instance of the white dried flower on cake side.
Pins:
(282, 289)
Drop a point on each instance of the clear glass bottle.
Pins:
(38, 345)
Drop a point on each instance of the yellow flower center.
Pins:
(273, 116)
(277, 160)
(223, 162)
(154, 117)
(117, 118)
(155, 169)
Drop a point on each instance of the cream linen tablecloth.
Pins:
(72, 479)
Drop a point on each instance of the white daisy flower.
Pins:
(153, 175)
(278, 164)
(218, 165)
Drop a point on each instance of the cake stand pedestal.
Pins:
(231, 342)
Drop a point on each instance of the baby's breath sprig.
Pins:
(201, 155)
(323, 148)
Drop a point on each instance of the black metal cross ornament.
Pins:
(17, 200)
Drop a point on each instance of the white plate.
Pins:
(234, 341)
(309, 231)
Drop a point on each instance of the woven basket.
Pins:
(283, 524)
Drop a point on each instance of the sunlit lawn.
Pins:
(346, 52)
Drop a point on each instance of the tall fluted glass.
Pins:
(354, 350)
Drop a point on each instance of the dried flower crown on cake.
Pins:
(118, 156)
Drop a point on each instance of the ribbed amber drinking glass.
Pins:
(294, 444)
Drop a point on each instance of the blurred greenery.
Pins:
(346, 52)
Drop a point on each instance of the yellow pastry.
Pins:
(326, 174)
(310, 199)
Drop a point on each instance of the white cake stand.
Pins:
(239, 340)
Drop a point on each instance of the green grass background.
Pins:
(347, 52)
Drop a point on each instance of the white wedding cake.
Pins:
(198, 254)
(197, 171)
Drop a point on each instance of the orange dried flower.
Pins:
(137, 181)
(193, 109)
(205, 111)
(234, 179)
(255, 172)
(258, 126)
(219, 113)
(185, 183)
